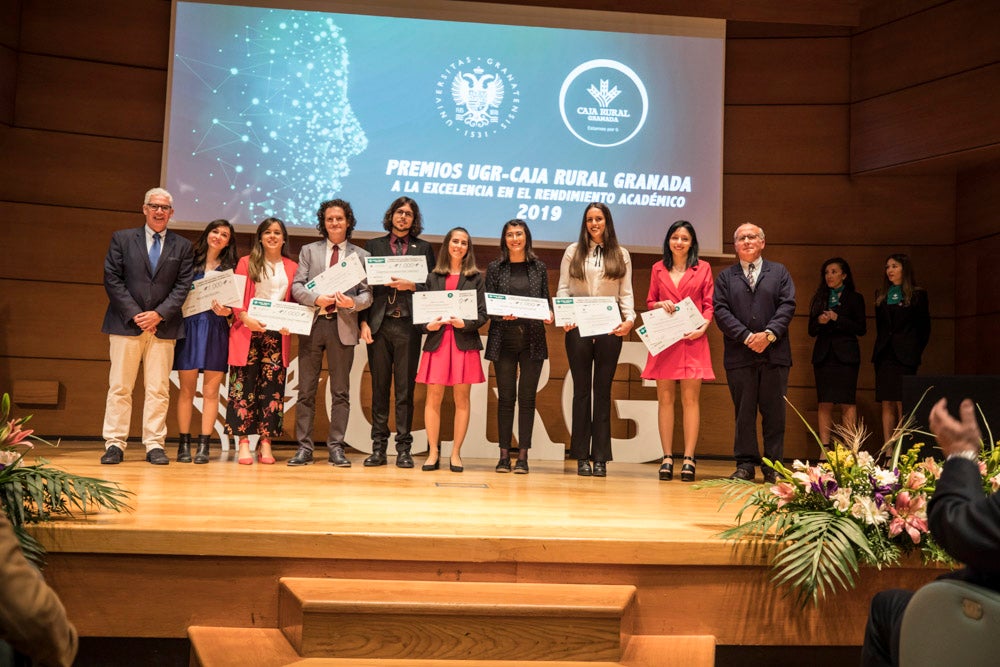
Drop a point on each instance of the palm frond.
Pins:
(906, 427)
(40, 493)
(990, 442)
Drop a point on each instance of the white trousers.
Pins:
(157, 357)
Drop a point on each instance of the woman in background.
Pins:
(258, 357)
(451, 350)
(836, 319)
(515, 343)
(595, 266)
(903, 327)
(680, 275)
(205, 346)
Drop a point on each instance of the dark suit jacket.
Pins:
(380, 247)
(498, 282)
(838, 340)
(903, 330)
(740, 312)
(466, 338)
(966, 522)
(133, 287)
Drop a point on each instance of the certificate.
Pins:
(527, 307)
(278, 315)
(445, 304)
(340, 277)
(218, 286)
(661, 329)
(593, 315)
(382, 270)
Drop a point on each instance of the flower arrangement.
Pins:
(35, 493)
(820, 521)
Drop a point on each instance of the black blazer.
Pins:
(740, 312)
(133, 287)
(466, 338)
(902, 331)
(838, 340)
(379, 247)
(498, 282)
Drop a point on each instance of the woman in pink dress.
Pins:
(680, 274)
(451, 350)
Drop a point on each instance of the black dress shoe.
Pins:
(303, 457)
(521, 467)
(376, 459)
(157, 457)
(583, 468)
(337, 458)
(600, 469)
(770, 476)
(404, 460)
(746, 474)
(112, 455)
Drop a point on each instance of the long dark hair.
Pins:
(822, 296)
(668, 255)
(529, 254)
(352, 222)
(258, 265)
(909, 280)
(614, 258)
(227, 257)
(418, 220)
(443, 266)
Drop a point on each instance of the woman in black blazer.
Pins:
(515, 342)
(451, 350)
(836, 319)
(903, 327)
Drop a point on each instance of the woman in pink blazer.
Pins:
(680, 274)
(258, 357)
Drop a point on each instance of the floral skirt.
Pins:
(257, 390)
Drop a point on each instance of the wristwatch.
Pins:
(770, 336)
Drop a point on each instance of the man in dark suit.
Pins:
(754, 304)
(147, 275)
(334, 332)
(963, 520)
(393, 341)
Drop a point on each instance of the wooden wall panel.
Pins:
(839, 210)
(935, 119)
(786, 139)
(787, 71)
(133, 32)
(977, 281)
(976, 346)
(878, 12)
(69, 315)
(8, 83)
(978, 202)
(45, 84)
(77, 171)
(948, 39)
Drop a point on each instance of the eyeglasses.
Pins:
(747, 237)
(159, 207)
(404, 214)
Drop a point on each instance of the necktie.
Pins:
(751, 277)
(335, 255)
(154, 251)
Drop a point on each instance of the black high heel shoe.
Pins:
(688, 469)
(432, 466)
(667, 468)
(454, 468)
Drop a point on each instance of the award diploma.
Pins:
(382, 270)
(445, 304)
(218, 286)
(593, 315)
(526, 307)
(278, 315)
(661, 329)
(340, 277)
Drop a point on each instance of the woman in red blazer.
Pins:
(258, 357)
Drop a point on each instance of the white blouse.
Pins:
(595, 284)
(274, 286)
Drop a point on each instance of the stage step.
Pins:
(361, 618)
(268, 647)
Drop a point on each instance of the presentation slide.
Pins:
(271, 111)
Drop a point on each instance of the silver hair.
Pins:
(761, 229)
(158, 192)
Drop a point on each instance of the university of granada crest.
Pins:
(478, 95)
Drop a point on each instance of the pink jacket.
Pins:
(239, 335)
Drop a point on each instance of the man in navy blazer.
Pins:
(334, 332)
(962, 518)
(393, 341)
(147, 275)
(754, 304)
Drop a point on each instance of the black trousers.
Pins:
(761, 387)
(516, 352)
(393, 357)
(885, 616)
(592, 361)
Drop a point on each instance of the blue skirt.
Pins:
(205, 346)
